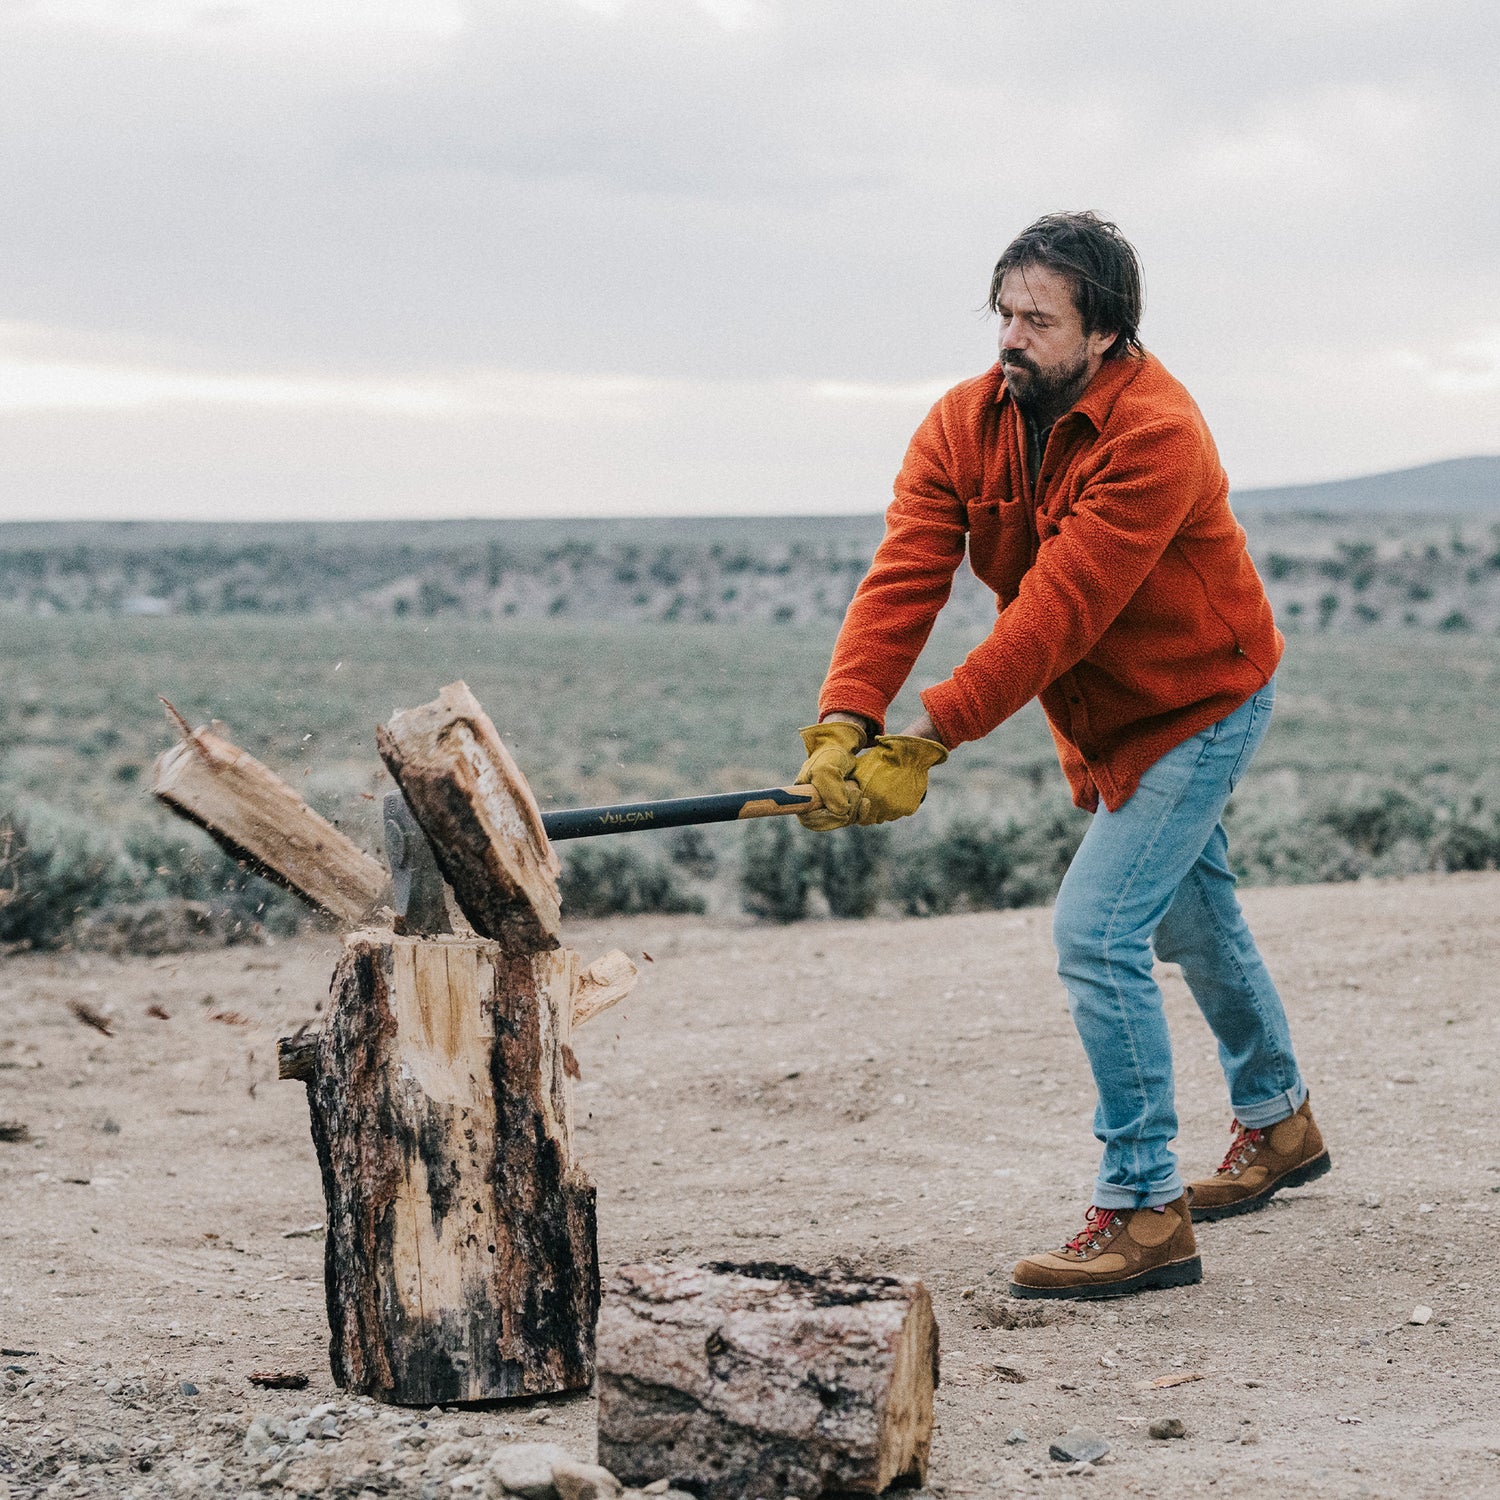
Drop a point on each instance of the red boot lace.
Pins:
(1097, 1220)
(1239, 1146)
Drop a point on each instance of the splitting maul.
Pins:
(417, 886)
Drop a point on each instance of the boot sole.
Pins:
(1159, 1278)
(1309, 1171)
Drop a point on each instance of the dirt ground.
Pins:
(907, 1096)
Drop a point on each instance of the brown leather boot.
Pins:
(1118, 1252)
(1260, 1163)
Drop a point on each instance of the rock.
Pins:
(1420, 1315)
(1016, 1435)
(1078, 1445)
(526, 1468)
(580, 1481)
(187, 1388)
(1167, 1427)
(257, 1438)
(1250, 1435)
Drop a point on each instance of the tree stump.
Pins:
(460, 1259)
(751, 1380)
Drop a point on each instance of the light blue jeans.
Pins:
(1156, 874)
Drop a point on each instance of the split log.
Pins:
(479, 816)
(253, 814)
(765, 1379)
(461, 1262)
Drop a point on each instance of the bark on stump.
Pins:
(765, 1380)
(461, 1260)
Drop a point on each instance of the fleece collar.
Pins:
(1096, 403)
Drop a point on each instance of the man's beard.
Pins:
(1044, 397)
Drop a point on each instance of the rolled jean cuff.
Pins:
(1112, 1195)
(1271, 1111)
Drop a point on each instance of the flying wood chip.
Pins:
(91, 1017)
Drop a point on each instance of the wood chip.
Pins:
(279, 1380)
(91, 1017)
(230, 1018)
(157, 1013)
(15, 1131)
(1177, 1377)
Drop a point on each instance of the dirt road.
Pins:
(905, 1095)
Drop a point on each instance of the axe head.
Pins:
(416, 883)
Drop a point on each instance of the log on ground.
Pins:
(479, 815)
(461, 1260)
(765, 1379)
(253, 814)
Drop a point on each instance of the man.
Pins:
(1083, 481)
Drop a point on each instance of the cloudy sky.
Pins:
(292, 258)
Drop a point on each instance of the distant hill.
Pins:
(1411, 550)
(1457, 486)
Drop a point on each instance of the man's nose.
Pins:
(1013, 335)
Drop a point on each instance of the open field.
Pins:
(1363, 574)
(907, 1096)
(1381, 759)
(599, 712)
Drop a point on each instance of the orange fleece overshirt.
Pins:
(1127, 599)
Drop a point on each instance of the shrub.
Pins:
(56, 870)
(51, 873)
(690, 849)
(606, 881)
(978, 866)
(1375, 819)
(967, 866)
(778, 871)
(851, 866)
(177, 862)
(1470, 840)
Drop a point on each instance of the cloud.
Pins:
(397, 201)
(32, 380)
(1469, 367)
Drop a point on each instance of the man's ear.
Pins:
(1100, 343)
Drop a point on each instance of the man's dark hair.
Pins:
(1097, 259)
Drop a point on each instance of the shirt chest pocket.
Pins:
(1000, 543)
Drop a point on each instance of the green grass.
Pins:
(602, 713)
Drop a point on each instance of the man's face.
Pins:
(1048, 359)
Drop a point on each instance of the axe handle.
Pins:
(676, 812)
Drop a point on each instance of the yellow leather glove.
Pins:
(892, 776)
(830, 762)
